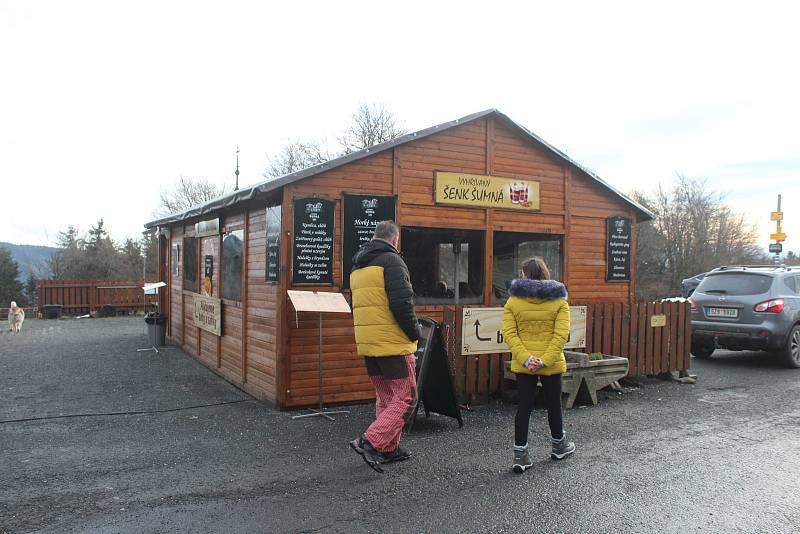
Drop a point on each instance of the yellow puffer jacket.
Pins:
(383, 302)
(536, 323)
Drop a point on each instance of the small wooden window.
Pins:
(446, 266)
(190, 264)
(512, 248)
(232, 262)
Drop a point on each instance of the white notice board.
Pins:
(481, 330)
(319, 301)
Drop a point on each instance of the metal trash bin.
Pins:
(52, 311)
(156, 328)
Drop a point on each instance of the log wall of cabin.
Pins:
(480, 147)
(272, 353)
(246, 352)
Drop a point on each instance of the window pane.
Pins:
(735, 284)
(232, 254)
(789, 281)
(190, 264)
(513, 248)
(438, 258)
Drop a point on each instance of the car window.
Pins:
(790, 283)
(736, 284)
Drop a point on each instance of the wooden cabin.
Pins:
(474, 197)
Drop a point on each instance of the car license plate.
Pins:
(731, 313)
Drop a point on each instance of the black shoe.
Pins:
(397, 455)
(372, 457)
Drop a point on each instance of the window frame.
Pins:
(191, 284)
(428, 250)
(226, 273)
(497, 298)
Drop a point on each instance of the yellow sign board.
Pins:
(778, 237)
(208, 314)
(481, 331)
(658, 321)
(776, 216)
(486, 191)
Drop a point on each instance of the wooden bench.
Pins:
(584, 376)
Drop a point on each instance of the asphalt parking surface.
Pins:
(96, 437)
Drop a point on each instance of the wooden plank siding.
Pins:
(88, 296)
(272, 353)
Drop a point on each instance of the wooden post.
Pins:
(281, 301)
(245, 285)
(567, 224)
(488, 264)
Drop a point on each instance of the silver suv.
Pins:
(744, 307)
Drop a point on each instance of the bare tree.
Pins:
(186, 193)
(295, 156)
(791, 258)
(693, 232)
(370, 125)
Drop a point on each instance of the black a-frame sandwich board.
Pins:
(435, 388)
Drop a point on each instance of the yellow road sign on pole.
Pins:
(777, 237)
(776, 216)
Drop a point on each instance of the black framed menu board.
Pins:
(273, 270)
(618, 249)
(312, 249)
(362, 213)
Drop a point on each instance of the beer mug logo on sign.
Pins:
(314, 210)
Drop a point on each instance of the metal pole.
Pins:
(778, 225)
(321, 412)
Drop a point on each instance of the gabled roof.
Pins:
(267, 186)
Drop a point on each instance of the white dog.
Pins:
(16, 316)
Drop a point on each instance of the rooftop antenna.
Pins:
(237, 169)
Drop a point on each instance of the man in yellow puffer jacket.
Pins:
(536, 328)
(386, 331)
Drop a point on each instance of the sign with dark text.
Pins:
(362, 213)
(273, 243)
(207, 228)
(208, 314)
(479, 191)
(619, 247)
(312, 250)
(482, 332)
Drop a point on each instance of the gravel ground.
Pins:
(95, 437)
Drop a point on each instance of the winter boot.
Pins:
(561, 447)
(522, 459)
(398, 455)
(372, 457)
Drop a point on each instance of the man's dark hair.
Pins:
(386, 230)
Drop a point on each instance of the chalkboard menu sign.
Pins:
(362, 213)
(273, 243)
(312, 252)
(618, 249)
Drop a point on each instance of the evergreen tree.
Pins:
(100, 257)
(10, 287)
(29, 289)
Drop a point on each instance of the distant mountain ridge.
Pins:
(32, 259)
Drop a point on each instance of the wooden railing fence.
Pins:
(85, 296)
(612, 328)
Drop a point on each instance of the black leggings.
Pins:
(526, 385)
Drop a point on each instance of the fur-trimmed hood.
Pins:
(540, 289)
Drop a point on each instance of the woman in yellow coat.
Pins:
(536, 327)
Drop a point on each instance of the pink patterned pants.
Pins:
(395, 400)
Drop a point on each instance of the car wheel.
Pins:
(702, 350)
(791, 351)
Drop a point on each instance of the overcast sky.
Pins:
(102, 104)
